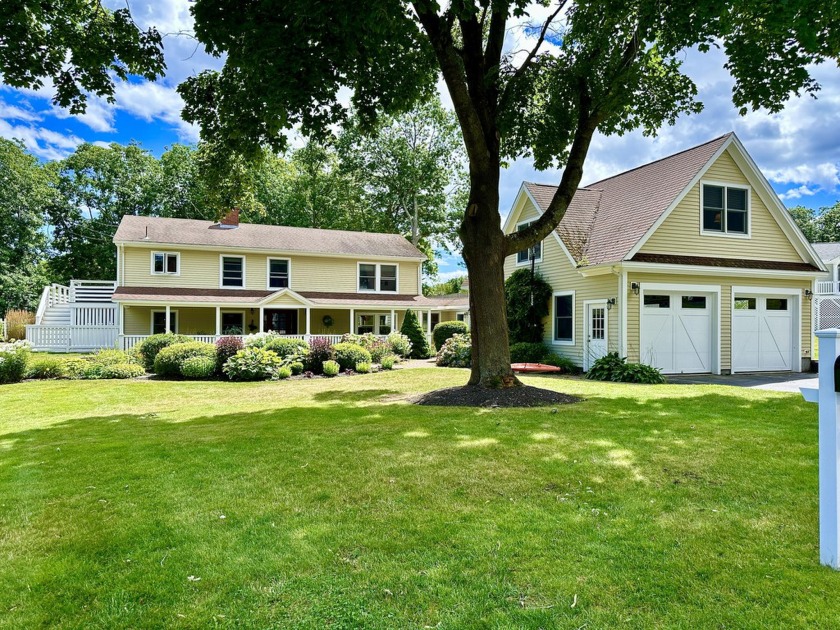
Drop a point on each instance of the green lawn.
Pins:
(333, 503)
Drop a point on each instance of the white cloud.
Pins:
(45, 143)
(797, 193)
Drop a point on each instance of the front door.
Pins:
(596, 333)
(281, 321)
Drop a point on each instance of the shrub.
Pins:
(259, 340)
(525, 315)
(13, 359)
(150, 347)
(296, 368)
(456, 352)
(284, 347)
(370, 342)
(111, 357)
(283, 372)
(121, 370)
(252, 364)
(363, 367)
(76, 368)
(169, 360)
(320, 350)
(330, 368)
(387, 362)
(445, 330)
(419, 343)
(46, 367)
(16, 322)
(226, 347)
(565, 363)
(400, 344)
(527, 352)
(198, 367)
(347, 355)
(612, 367)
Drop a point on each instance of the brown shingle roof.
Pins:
(279, 238)
(738, 263)
(607, 218)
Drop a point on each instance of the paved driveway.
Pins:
(780, 381)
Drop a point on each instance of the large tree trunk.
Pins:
(484, 253)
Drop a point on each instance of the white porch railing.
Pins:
(92, 290)
(52, 295)
(828, 287)
(71, 338)
(93, 314)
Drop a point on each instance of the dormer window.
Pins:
(378, 278)
(166, 263)
(524, 257)
(725, 209)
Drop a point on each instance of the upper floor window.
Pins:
(725, 209)
(278, 273)
(165, 263)
(381, 278)
(525, 255)
(233, 271)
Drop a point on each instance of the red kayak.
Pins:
(534, 367)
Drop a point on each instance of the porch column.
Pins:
(262, 318)
(393, 321)
(166, 325)
(352, 319)
(218, 321)
(429, 322)
(121, 316)
(307, 322)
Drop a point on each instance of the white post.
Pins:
(121, 313)
(393, 321)
(352, 320)
(166, 325)
(429, 322)
(218, 321)
(307, 322)
(829, 442)
(262, 319)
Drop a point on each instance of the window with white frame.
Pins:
(278, 273)
(376, 323)
(725, 209)
(378, 278)
(564, 318)
(166, 263)
(159, 322)
(233, 271)
(525, 255)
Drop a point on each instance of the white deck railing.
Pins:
(91, 290)
(828, 287)
(52, 295)
(71, 338)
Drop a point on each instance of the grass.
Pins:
(333, 503)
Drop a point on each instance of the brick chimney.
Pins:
(231, 219)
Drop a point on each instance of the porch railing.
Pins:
(828, 287)
(126, 342)
(71, 338)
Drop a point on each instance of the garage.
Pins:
(764, 335)
(678, 329)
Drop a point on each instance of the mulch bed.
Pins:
(524, 396)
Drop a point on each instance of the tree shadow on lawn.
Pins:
(673, 510)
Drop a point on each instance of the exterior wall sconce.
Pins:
(635, 287)
(809, 294)
(610, 303)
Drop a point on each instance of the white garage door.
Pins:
(676, 331)
(762, 333)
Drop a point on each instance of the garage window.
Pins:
(725, 209)
(658, 301)
(694, 301)
(564, 320)
(744, 304)
(777, 304)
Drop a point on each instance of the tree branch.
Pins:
(533, 53)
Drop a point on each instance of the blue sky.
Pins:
(798, 149)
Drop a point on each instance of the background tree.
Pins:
(527, 298)
(447, 287)
(611, 67)
(805, 218)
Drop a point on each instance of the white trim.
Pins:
(158, 310)
(527, 261)
(377, 277)
(516, 210)
(282, 292)
(587, 321)
(376, 325)
(726, 185)
(717, 312)
(268, 260)
(622, 312)
(640, 243)
(224, 311)
(221, 271)
(164, 253)
(642, 267)
(765, 292)
(554, 340)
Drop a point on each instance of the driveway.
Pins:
(777, 381)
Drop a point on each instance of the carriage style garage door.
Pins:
(677, 331)
(763, 336)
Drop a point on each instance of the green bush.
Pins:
(169, 360)
(445, 330)
(46, 367)
(284, 347)
(363, 367)
(370, 342)
(13, 359)
(296, 367)
(387, 362)
(419, 343)
(400, 344)
(150, 347)
(198, 367)
(525, 315)
(613, 367)
(456, 352)
(527, 352)
(331, 368)
(347, 355)
(112, 357)
(252, 363)
(565, 363)
(121, 370)
(283, 372)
